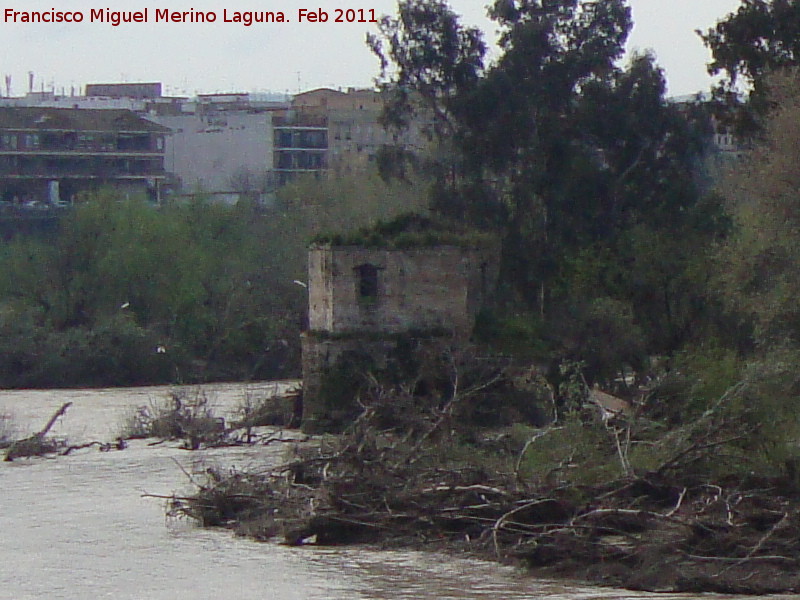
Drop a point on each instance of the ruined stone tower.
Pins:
(368, 299)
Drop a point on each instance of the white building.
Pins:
(223, 153)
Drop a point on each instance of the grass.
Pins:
(406, 232)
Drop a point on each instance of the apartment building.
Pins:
(301, 144)
(354, 132)
(52, 155)
(223, 145)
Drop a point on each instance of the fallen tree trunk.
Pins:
(37, 444)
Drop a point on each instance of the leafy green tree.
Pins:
(434, 59)
(204, 283)
(561, 150)
(759, 273)
(762, 36)
(433, 62)
(758, 278)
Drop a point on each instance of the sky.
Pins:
(193, 57)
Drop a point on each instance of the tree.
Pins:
(509, 126)
(204, 282)
(759, 276)
(554, 145)
(431, 54)
(432, 62)
(761, 37)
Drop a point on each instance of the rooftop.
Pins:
(32, 118)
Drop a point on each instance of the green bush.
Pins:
(605, 336)
(518, 334)
(709, 370)
(575, 452)
(210, 284)
(116, 352)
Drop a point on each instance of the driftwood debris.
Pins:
(56, 416)
(118, 444)
(427, 482)
(37, 444)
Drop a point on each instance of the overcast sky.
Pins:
(191, 58)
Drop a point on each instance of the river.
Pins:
(83, 525)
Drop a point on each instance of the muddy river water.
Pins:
(82, 526)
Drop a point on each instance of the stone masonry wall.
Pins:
(435, 288)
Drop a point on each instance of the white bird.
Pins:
(125, 305)
(300, 283)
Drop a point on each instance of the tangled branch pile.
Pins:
(626, 505)
(188, 417)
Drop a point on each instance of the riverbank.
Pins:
(561, 501)
(638, 534)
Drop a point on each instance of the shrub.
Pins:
(604, 335)
(573, 453)
(709, 370)
(273, 409)
(182, 417)
(520, 334)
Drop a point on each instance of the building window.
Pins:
(367, 283)
(86, 141)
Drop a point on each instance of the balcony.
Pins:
(300, 122)
(70, 143)
(16, 167)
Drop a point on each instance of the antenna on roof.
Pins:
(30, 82)
(8, 86)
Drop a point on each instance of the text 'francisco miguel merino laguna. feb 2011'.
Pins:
(115, 18)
